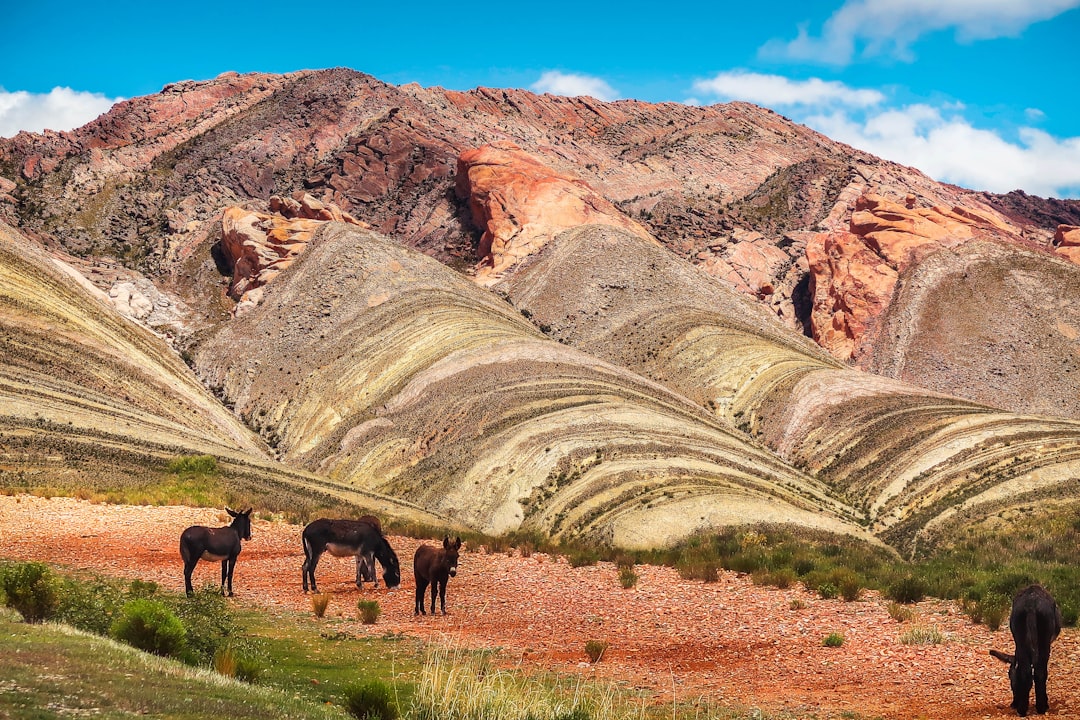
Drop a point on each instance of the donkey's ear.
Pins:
(247, 512)
(446, 541)
(232, 513)
(1003, 657)
(457, 543)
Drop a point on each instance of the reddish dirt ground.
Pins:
(728, 642)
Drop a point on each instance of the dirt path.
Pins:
(729, 641)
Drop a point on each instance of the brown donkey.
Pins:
(436, 567)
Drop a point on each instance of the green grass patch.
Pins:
(54, 671)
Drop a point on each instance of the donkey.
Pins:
(435, 567)
(203, 543)
(1035, 622)
(342, 538)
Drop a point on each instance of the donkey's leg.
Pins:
(1042, 702)
(309, 571)
(434, 592)
(421, 586)
(189, 567)
(442, 596)
(232, 568)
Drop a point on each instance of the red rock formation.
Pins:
(521, 204)
(260, 246)
(1067, 242)
(853, 274)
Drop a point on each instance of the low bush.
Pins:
(149, 625)
(319, 603)
(595, 649)
(92, 604)
(31, 589)
(922, 636)
(834, 639)
(827, 590)
(235, 662)
(628, 577)
(900, 613)
(209, 622)
(370, 700)
(907, 589)
(193, 465)
(369, 611)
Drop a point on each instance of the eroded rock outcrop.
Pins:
(853, 273)
(521, 204)
(1067, 242)
(260, 246)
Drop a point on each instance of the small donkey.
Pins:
(215, 544)
(436, 567)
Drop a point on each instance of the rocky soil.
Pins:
(728, 642)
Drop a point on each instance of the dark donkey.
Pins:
(204, 543)
(1035, 622)
(342, 538)
(435, 567)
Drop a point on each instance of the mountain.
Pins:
(634, 321)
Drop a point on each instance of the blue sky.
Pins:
(982, 93)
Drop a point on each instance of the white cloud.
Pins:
(776, 90)
(60, 109)
(891, 26)
(948, 148)
(936, 139)
(573, 85)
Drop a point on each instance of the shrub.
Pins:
(582, 557)
(827, 590)
(209, 623)
(370, 700)
(900, 613)
(922, 636)
(90, 605)
(369, 611)
(782, 578)
(31, 589)
(907, 589)
(834, 639)
(627, 576)
(319, 603)
(595, 649)
(698, 566)
(193, 465)
(233, 662)
(990, 610)
(149, 625)
(797, 604)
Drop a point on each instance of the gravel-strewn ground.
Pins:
(729, 641)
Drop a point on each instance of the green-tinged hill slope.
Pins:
(920, 464)
(91, 401)
(383, 369)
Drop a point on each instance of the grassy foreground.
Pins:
(53, 671)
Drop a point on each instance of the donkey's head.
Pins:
(391, 567)
(450, 555)
(241, 522)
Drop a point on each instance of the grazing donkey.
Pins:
(435, 567)
(203, 543)
(342, 538)
(1035, 622)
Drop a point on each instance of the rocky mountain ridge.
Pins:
(660, 312)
